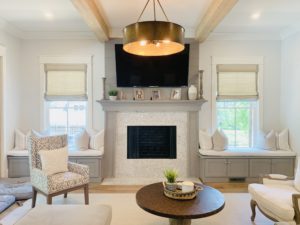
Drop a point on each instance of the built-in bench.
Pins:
(244, 164)
(18, 163)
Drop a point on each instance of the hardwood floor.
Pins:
(98, 188)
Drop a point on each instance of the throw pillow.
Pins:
(96, 140)
(297, 178)
(270, 141)
(220, 141)
(54, 161)
(82, 141)
(205, 140)
(21, 139)
(283, 140)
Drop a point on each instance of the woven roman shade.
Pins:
(66, 82)
(237, 82)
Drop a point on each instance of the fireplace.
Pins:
(151, 142)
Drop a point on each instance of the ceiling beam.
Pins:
(91, 11)
(215, 13)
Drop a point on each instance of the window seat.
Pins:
(246, 152)
(89, 152)
(244, 164)
(18, 163)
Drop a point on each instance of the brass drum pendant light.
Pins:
(153, 38)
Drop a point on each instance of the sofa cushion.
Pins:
(68, 215)
(276, 198)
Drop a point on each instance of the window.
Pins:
(237, 103)
(237, 120)
(66, 98)
(66, 117)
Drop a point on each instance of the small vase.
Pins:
(192, 92)
(113, 98)
(171, 186)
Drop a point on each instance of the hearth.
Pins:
(151, 142)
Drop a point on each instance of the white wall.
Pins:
(290, 89)
(32, 50)
(11, 81)
(270, 50)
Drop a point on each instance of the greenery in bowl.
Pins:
(113, 93)
(171, 175)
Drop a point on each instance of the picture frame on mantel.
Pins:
(139, 94)
(155, 94)
(176, 94)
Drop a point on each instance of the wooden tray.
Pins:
(179, 195)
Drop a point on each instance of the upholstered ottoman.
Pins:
(67, 215)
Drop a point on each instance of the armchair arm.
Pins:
(78, 168)
(296, 199)
(39, 179)
(276, 179)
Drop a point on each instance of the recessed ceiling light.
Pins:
(49, 15)
(255, 16)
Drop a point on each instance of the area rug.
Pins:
(126, 212)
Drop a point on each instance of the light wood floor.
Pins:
(98, 188)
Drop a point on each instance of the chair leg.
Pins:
(253, 205)
(66, 195)
(34, 194)
(49, 199)
(86, 194)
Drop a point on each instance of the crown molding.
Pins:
(290, 31)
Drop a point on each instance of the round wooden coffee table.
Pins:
(208, 202)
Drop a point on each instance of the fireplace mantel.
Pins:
(152, 106)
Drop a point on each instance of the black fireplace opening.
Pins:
(151, 142)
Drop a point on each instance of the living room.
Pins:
(222, 132)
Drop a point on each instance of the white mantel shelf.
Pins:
(152, 106)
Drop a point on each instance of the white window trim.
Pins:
(4, 144)
(259, 60)
(88, 60)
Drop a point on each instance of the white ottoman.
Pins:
(68, 215)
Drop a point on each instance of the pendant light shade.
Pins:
(153, 38)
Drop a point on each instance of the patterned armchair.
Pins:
(59, 183)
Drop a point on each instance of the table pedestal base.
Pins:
(180, 221)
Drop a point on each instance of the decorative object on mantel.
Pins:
(153, 38)
(176, 94)
(113, 94)
(179, 194)
(139, 94)
(155, 94)
(123, 95)
(200, 84)
(103, 88)
(171, 175)
(192, 92)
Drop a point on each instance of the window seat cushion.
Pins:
(246, 152)
(89, 152)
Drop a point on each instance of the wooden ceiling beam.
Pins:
(91, 11)
(215, 13)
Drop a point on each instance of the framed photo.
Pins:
(176, 94)
(139, 94)
(156, 95)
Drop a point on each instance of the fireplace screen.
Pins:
(151, 142)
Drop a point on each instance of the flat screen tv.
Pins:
(153, 71)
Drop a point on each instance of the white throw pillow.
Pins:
(283, 140)
(220, 141)
(270, 141)
(54, 161)
(205, 140)
(82, 141)
(96, 140)
(21, 139)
